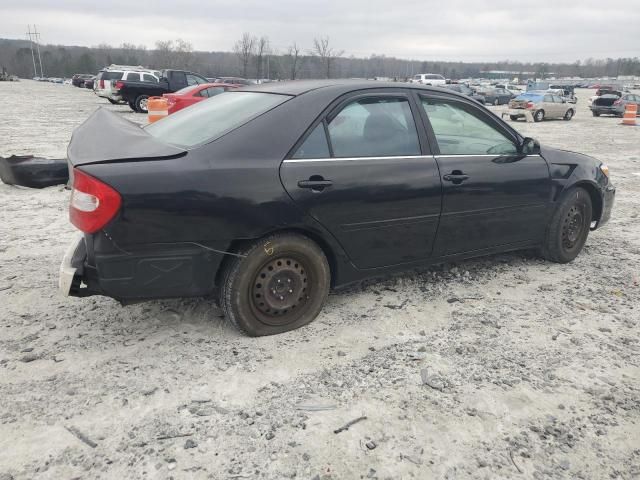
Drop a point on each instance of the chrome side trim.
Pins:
(350, 159)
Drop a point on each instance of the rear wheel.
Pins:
(569, 227)
(141, 103)
(538, 116)
(569, 115)
(277, 284)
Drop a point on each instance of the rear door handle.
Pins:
(456, 178)
(316, 183)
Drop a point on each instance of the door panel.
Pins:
(504, 201)
(383, 211)
(491, 195)
(362, 174)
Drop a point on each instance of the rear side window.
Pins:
(135, 77)
(315, 146)
(212, 91)
(112, 75)
(194, 80)
(374, 127)
(207, 121)
(461, 130)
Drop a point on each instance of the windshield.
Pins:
(209, 120)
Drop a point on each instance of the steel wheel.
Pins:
(572, 227)
(280, 287)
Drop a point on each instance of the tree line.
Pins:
(253, 57)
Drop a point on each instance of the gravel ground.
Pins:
(499, 368)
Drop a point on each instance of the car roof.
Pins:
(300, 87)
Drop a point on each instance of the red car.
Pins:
(194, 94)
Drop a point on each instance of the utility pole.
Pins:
(37, 35)
(33, 57)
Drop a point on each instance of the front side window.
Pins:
(149, 78)
(374, 127)
(195, 80)
(207, 121)
(135, 77)
(461, 130)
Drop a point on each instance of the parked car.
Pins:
(195, 93)
(541, 106)
(613, 104)
(566, 92)
(78, 79)
(234, 81)
(496, 96)
(602, 91)
(466, 90)
(106, 79)
(429, 79)
(137, 93)
(258, 195)
(89, 82)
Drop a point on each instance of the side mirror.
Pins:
(530, 146)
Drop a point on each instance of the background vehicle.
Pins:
(136, 93)
(429, 79)
(496, 96)
(613, 104)
(466, 90)
(234, 81)
(540, 105)
(106, 79)
(194, 94)
(78, 79)
(89, 82)
(566, 92)
(167, 210)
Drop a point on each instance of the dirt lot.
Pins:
(504, 367)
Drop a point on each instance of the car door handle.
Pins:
(456, 177)
(316, 183)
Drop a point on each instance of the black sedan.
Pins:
(271, 195)
(497, 96)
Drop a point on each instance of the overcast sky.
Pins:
(470, 30)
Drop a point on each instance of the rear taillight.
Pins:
(119, 84)
(529, 104)
(93, 203)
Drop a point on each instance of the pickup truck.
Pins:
(137, 93)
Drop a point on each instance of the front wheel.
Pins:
(141, 103)
(569, 115)
(275, 285)
(538, 116)
(569, 227)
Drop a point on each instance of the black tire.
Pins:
(277, 284)
(112, 101)
(141, 103)
(569, 227)
(514, 117)
(569, 115)
(538, 116)
(595, 114)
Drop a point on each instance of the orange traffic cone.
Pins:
(630, 113)
(157, 108)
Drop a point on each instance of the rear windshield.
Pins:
(209, 120)
(112, 75)
(530, 96)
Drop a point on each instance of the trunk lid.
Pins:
(107, 137)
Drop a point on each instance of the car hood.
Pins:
(555, 155)
(107, 137)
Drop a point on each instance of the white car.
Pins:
(429, 79)
(104, 85)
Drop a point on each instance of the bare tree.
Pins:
(294, 59)
(173, 54)
(261, 50)
(244, 49)
(326, 53)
